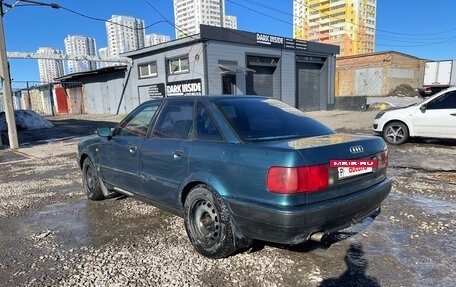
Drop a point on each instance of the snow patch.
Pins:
(26, 120)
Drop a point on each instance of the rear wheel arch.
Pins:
(202, 178)
(186, 190)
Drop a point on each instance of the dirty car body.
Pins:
(237, 168)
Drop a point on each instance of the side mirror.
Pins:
(423, 108)
(104, 132)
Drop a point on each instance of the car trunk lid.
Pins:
(342, 148)
(346, 151)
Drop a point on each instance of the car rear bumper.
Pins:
(296, 225)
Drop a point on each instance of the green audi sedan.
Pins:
(238, 169)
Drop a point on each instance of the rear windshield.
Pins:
(256, 119)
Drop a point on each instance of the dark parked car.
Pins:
(238, 168)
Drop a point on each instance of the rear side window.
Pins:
(256, 119)
(206, 129)
(175, 121)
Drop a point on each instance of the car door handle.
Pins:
(454, 115)
(177, 153)
(132, 148)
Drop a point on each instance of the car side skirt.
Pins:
(178, 212)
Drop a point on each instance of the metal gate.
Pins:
(308, 86)
(44, 99)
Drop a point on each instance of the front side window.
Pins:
(445, 101)
(178, 65)
(175, 121)
(148, 70)
(137, 123)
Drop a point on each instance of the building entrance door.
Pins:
(308, 86)
(265, 81)
(229, 84)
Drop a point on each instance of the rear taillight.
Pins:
(289, 180)
(383, 160)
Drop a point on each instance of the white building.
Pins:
(230, 22)
(103, 52)
(125, 34)
(80, 46)
(154, 39)
(189, 14)
(49, 68)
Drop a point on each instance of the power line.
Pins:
(172, 24)
(57, 6)
(413, 42)
(258, 12)
(378, 31)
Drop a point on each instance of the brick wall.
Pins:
(377, 74)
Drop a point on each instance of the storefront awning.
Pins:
(227, 69)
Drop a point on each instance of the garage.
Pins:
(226, 61)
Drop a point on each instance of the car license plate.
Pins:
(344, 172)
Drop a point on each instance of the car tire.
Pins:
(395, 133)
(208, 223)
(91, 181)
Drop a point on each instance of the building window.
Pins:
(148, 70)
(178, 65)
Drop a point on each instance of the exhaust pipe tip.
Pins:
(318, 236)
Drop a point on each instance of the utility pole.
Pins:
(6, 84)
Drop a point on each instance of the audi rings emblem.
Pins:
(356, 149)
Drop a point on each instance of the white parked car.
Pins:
(435, 117)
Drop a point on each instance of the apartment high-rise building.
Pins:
(50, 68)
(189, 14)
(349, 24)
(230, 22)
(154, 39)
(78, 45)
(103, 53)
(125, 34)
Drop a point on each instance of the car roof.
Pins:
(209, 97)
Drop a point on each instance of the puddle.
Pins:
(429, 204)
(392, 171)
(79, 224)
(69, 189)
(434, 205)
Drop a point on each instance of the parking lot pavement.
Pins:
(67, 131)
(346, 121)
(51, 235)
(8, 156)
